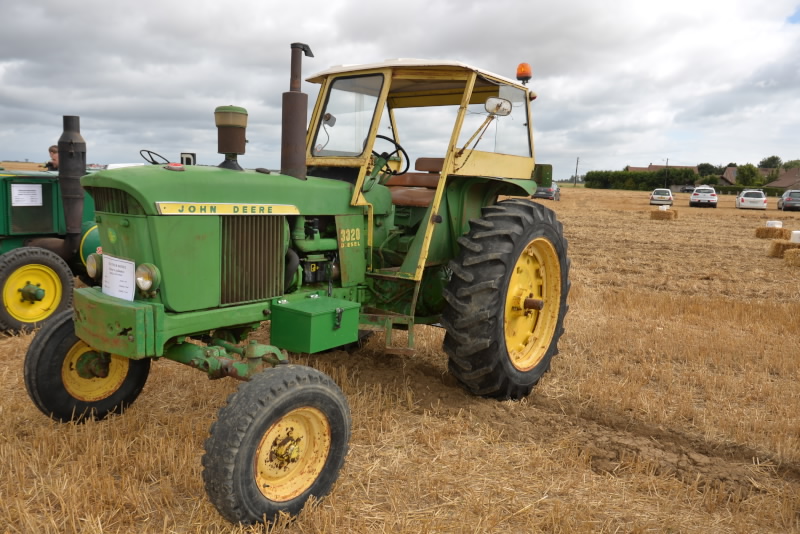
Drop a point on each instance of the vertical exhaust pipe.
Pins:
(71, 167)
(295, 118)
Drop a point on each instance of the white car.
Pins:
(662, 197)
(703, 195)
(752, 199)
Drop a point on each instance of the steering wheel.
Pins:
(397, 149)
(150, 157)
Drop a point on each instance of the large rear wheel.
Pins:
(70, 381)
(36, 284)
(507, 299)
(281, 438)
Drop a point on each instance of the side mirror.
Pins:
(498, 106)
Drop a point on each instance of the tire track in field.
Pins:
(612, 444)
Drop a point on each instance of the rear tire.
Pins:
(497, 346)
(59, 379)
(38, 269)
(281, 438)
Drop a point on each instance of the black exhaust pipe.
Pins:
(71, 167)
(295, 118)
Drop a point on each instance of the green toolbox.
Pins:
(313, 324)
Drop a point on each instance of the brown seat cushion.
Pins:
(414, 179)
(412, 196)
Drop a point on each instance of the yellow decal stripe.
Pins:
(200, 208)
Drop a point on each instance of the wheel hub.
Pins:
(31, 292)
(93, 364)
(285, 451)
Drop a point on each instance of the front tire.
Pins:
(512, 260)
(36, 285)
(69, 381)
(281, 438)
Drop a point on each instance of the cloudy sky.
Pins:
(625, 82)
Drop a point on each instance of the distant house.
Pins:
(787, 179)
(729, 176)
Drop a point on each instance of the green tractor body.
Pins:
(344, 238)
(46, 233)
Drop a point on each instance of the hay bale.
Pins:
(770, 232)
(779, 246)
(792, 257)
(666, 215)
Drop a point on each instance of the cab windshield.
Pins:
(350, 108)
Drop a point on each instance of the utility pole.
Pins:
(576, 172)
(666, 177)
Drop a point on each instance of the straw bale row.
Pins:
(666, 215)
(767, 232)
(779, 246)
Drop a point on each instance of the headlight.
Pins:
(94, 266)
(147, 277)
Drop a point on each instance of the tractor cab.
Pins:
(420, 139)
(445, 118)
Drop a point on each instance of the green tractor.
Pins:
(344, 239)
(46, 235)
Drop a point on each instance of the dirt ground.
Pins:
(672, 407)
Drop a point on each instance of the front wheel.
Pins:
(281, 438)
(507, 299)
(70, 381)
(36, 284)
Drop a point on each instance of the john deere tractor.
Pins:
(344, 238)
(46, 234)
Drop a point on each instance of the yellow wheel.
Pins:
(292, 454)
(91, 376)
(506, 299)
(531, 316)
(282, 437)
(36, 284)
(69, 381)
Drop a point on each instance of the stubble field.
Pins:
(672, 407)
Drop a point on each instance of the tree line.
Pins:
(747, 175)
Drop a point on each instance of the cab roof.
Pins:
(427, 82)
(410, 64)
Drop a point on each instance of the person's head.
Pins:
(54, 156)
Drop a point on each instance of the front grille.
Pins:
(115, 201)
(252, 257)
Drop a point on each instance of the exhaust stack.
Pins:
(71, 166)
(295, 118)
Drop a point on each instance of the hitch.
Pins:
(220, 358)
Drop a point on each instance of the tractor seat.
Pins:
(416, 189)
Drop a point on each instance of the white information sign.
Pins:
(119, 277)
(26, 194)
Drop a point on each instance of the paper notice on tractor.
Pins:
(119, 277)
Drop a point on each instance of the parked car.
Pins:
(752, 199)
(687, 189)
(551, 192)
(662, 197)
(790, 200)
(703, 195)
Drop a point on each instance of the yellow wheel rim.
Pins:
(529, 332)
(32, 311)
(292, 453)
(92, 389)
